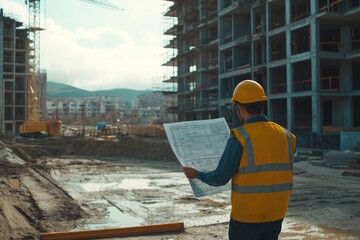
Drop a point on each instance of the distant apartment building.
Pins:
(13, 74)
(306, 55)
(81, 108)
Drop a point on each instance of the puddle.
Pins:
(115, 219)
(137, 183)
(128, 184)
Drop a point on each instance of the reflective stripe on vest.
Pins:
(262, 189)
(252, 168)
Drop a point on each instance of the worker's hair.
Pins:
(254, 108)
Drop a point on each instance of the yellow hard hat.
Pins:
(248, 91)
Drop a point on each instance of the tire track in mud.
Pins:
(53, 202)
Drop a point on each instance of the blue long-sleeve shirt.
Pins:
(229, 161)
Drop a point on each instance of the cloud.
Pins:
(111, 55)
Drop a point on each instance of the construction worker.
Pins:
(258, 158)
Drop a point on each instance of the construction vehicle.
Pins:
(34, 125)
(34, 128)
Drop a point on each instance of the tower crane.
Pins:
(33, 124)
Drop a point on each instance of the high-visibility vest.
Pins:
(262, 186)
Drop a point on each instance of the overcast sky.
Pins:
(95, 48)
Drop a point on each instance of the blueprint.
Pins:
(199, 144)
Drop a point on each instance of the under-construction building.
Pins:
(13, 74)
(16, 65)
(306, 55)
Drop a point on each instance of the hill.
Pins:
(64, 91)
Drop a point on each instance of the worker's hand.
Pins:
(190, 172)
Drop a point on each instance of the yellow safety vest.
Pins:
(262, 186)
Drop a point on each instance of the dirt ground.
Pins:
(74, 184)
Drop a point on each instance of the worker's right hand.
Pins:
(190, 172)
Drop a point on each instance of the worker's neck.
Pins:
(248, 116)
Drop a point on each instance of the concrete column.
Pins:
(342, 107)
(267, 58)
(289, 77)
(315, 74)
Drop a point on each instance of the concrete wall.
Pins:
(349, 140)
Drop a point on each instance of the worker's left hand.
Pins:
(190, 172)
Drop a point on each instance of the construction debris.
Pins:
(341, 160)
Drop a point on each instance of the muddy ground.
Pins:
(74, 184)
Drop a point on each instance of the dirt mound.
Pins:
(129, 146)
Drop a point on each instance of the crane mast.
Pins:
(33, 87)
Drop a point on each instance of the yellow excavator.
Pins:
(32, 128)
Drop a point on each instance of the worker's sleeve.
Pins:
(228, 165)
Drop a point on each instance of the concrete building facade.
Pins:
(306, 55)
(13, 74)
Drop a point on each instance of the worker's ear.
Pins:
(239, 106)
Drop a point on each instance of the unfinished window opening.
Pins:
(278, 50)
(226, 88)
(20, 83)
(190, 45)
(330, 40)
(300, 9)
(257, 27)
(191, 63)
(327, 112)
(300, 40)
(20, 44)
(329, 77)
(19, 113)
(302, 76)
(19, 99)
(8, 42)
(242, 57)
(279, 111)
(9, 98)
(8, 56)
(356, 75)
(210, 35)
(278, 80)
(228, 60)
(8, 68)
(181, 86)
(189, 85)
(227, 29)
(9, 113)
(302, 113)
(20, 57)
(8, 76)
(20, 69)
(356, 111)
(192, 102)
(8, 28)
(241, 26)
(213, 80)
(259, 53)
(213, 58)
(277, 16)
(9, 86)
(192, 86)
(260, 78)
(355, 38)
